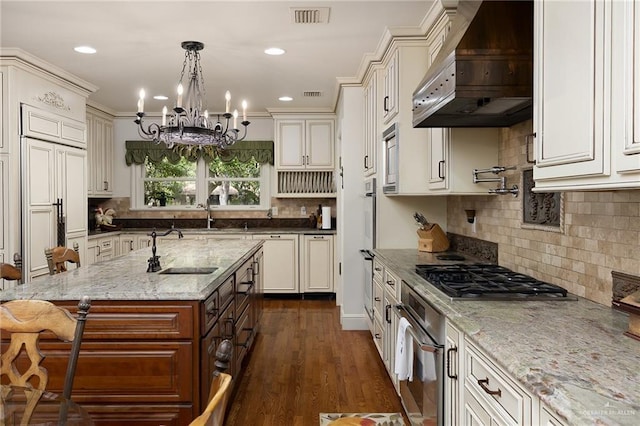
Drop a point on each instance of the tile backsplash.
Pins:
(600, 231)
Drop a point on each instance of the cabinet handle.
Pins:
(387, 311)
(213, 310)
(366, 166)
(98, 247)
(385, 104)
(529, 140)
(274, 236)
(308, 162)
(106, 185)
(377, 299)
(484, 384)
(441, 169)
(256, 269)
(449, 351)
(377, 336)
(131, 245)
(318, 237)
(391, 283)
(377, 269)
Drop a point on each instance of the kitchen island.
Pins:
(571, 354)
(150, 338)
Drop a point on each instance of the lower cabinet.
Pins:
(149, 362)
(280, 257)
(101, 248)
(316, 272)
(452, 376)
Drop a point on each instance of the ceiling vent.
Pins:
(310, 15)
(312, 94)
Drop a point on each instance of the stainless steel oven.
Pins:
(422, 397)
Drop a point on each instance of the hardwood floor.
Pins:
(303, 364)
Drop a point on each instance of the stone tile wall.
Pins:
(600, 231)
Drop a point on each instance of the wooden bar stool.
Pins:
(57, 256)
(10, 272)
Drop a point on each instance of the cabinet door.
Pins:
(439, 160)
(452, 376)
(127, 244)
(71, 165)
(390, 79)
(319, 144)
(626, 86)
(290, 141)
(317, 266)
(571, 95)
(280, 257)
(370, 126)
(39, 213)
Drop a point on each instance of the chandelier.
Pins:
(189, 124)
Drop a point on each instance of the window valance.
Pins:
(138, 151)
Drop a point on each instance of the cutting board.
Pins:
(631, 305)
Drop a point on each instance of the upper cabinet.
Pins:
(305, 144)
(99, 153)
(586, 112)
(390, 88)
(304, 157)
(370, 121)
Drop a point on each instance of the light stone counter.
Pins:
(571, 354)
(125, 277)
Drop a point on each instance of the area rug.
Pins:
(361, 419)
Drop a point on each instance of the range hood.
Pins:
(483, 74)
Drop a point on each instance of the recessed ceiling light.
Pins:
(160, 97)
(285, 98)
(85, 49)
(274, 51)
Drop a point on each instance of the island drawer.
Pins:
(244, 286)
(215, 303)
(109, 320)
(485, 381)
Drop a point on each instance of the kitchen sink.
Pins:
(189, 270)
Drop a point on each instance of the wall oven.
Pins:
(422, 397)
(369, 243)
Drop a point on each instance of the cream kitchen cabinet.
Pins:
(131, 242)
(281, 257)
(411, 150)
(454, 153)
(600, 149)
(390, 87)
(370, 120)
(391, 320)
(101, 248)
(99, 153)
(316, 270)
(305, 144)
(452, 376)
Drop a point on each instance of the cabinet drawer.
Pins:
(378, 335)
(378, 269)
(117, 321)
(243, 337)
(215, 303)
(500, 393)
(106, 245)
(244, 286)
(392, 283)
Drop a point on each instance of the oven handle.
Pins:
(415, 327)
(367, 254)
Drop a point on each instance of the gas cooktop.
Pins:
(479, 281)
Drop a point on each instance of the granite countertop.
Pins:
(571, 354)
(219, 231)
(125, 277)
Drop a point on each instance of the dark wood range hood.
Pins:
(483, 75)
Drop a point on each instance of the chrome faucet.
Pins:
(207, 208)
(154, 260)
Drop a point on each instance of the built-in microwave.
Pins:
(390, 160)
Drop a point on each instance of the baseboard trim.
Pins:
(353, 321)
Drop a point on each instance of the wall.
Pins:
(601, 230)
(261, 128)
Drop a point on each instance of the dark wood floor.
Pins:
(303, 364)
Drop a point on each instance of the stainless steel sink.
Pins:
(189, 270)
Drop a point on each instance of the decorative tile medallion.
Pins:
(541, 209)
(361, 419)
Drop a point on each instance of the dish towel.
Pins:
(404, 352)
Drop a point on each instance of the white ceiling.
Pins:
(138, 45)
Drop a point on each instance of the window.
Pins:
(231, 185)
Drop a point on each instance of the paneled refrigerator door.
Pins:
(54, 198)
